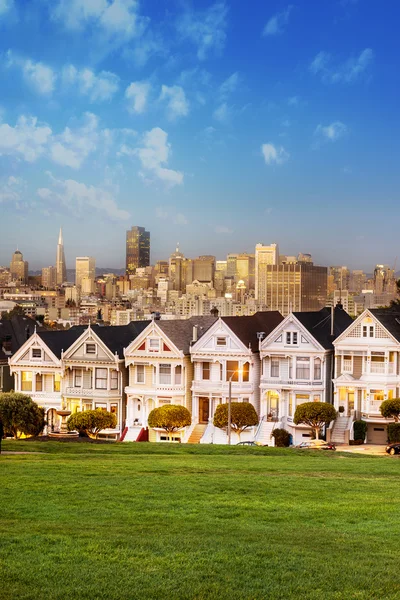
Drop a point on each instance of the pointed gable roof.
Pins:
(116, 338)
(180, 331)
(318, 323)
(246, 328)
(389, 318)
(17, 330)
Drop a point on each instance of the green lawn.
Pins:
(158, 521)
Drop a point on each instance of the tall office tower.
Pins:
(384, 279)
(265, 255)
(357, 281)
(61, 269)
(137, 249)
(292, 287)
(219, 275)
(341, 277)
(162, 267)
(49, 277)
(85, 273)
(176, 270)
(245, 267)
(19, 268)
(204, 268)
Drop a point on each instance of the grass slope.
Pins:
(154, 521)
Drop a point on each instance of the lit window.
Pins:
(114, 379)
(57, 382)
(90, 348)
(245, 372)
(221, 341)
(101, 379)
(36, 353)
(140, 377)
(232, 367)
(26, 381)
(205, 370)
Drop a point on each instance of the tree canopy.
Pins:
(169, 417)
(20, 415)
(243, 415)
(314, 414)
(91, 422)
(390, 409)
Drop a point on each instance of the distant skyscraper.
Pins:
(265, 255)
(85, 273)
(137, 249)
(61, 269)
(18, 268)
(175, 270)
(49, 277)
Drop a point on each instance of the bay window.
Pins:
(165, 374)
(101, 379)
(303, 367)
(26, 381)
(232, 367)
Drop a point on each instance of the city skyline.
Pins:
(207, 122)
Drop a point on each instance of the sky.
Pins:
(218, 125)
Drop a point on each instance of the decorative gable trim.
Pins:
(354, 330)
(88, 336)
(218, 330)
(276, 335)
(34, 341)
(138, 345)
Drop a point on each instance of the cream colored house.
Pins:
(160, 372)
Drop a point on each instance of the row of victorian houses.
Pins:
(274, 363)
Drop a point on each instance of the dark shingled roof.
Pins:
(180, 331)
(390, 319)
(318, 323)
(116, 338)
(246, 328)
(17, 330)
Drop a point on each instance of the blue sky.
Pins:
(218, 125)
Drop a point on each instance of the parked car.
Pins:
(316, 445)
(250, 443)
(393, 448)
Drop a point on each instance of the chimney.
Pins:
(195, 333)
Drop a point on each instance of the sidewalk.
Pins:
(363, 449)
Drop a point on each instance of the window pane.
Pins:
(39, 382)
(288, 337)
(26, 381)
(140, 374)
(114, 379)
(36, 353)
(57, 382)
(101, 379)
(90, 348)
(317, 369)
(206, 370)
(165, 374)
(232, 367)
(178, 375)
(294, 337)
(303, 368)
(275, 367)
(246, 371)
(221, 341)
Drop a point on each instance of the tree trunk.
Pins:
(316, 433)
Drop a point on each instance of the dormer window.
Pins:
(36, 353)
(221, 342)
(291, 338)
(154, 344)
(90, 349)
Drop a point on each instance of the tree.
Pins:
(20, 415)
(390, 409)
(91, 422)
(169, 417)
(396, 303)
(314, 414)
(243, 415)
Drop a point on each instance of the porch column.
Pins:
(209, 407)
(108, 379)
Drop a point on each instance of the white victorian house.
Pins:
(228, 351)
(297, 367)
(367, 370)
(160, 372)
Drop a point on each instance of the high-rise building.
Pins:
(137, 249)
(49, 277)
(265, 255)
(61, 269)
(384, 279)
(341, 277)
(176, 270)
(85, 273)
(204, 268)
(18, 268)
(357, 281)
(292, 287)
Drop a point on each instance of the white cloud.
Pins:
(293, 101)
(80, 198)
(112, 17)
(273, 154)
(177, 104)
(229, 85)
(222, 229)
(348, 72)
(222, 112)
(331, 132)
(154, 154)
(10, 189)
(276, 25)
(137, 93)
(27, 140)
(98, 88)
(180, 219)
(72, 147)
(5, 6)
(206, 29)
(39, 76)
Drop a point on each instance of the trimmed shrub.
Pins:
(243, 415)
(282, 438)
(341, 409)
(390, 409)
(20, 415)
(170, 417)
(91, 422)
(315, 415)
(360, 431)
(393, 431)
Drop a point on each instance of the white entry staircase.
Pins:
(338, 430)
(263, 435)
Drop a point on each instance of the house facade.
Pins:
(297, 367)
(228, 352)
(367, 370)
(160, 372)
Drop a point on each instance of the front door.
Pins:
(350, 403)
(272, 406)
(204, 410)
